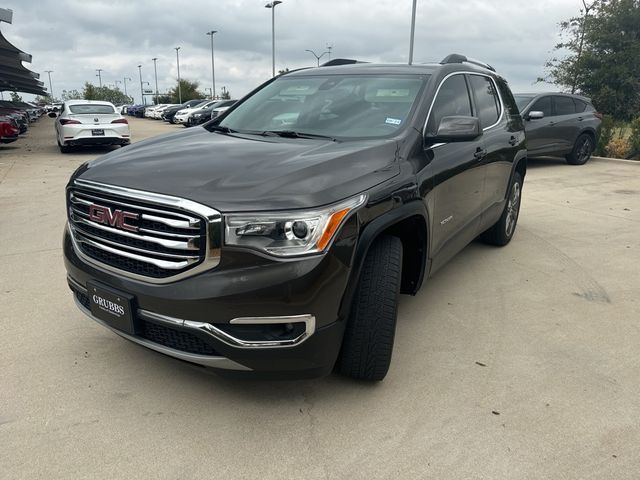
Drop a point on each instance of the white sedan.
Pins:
(90, 122)
(182, 116)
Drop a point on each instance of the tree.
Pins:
(603, 47)
(15, 97)
(106, 94)
(71, 95)
(188, 91)
(43, 100)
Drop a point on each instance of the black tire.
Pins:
(502, 231)
(582, 150)
(368, 339)
(64, 148)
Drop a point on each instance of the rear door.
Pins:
(500, 141)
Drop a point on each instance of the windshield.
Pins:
(523, 100)
(91, 109)
(342, 106)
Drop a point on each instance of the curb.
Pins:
(615, 159)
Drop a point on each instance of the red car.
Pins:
(8, 130)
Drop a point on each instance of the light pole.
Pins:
(413, 31)
(318, 57)
(272, 6)
(141, 92)
(210, 91)
(177, 49)
(155, 72)
(213, 70)
(49, 72)
(125, 85)
(329, 47)
(99, 70)
(117, 82)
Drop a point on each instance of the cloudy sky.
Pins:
(75, 37)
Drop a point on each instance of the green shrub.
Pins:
(634, 138)
(606, 135)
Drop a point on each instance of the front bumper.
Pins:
(190, 319)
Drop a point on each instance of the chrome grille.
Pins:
(162, 239)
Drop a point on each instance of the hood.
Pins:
(232, 172)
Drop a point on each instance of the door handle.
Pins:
(512, 141)
(479, 154)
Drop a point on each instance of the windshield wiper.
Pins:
(294, 134)
(220, 128)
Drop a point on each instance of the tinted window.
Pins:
(564, 105)
(90, 109)
(487, 102)
(452, 100)
(580, 105)
(523, 100)
(345, 106)
(542, 105)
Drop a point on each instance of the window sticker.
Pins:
(393, 121)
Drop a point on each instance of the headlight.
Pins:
(292, 233)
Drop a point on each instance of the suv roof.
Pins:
(450, 63)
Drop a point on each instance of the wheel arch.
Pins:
(408, 222)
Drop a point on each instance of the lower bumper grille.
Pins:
(162, 335)
(176, 339)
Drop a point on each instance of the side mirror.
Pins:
(456, 129)
(52, 114)
(535, 115)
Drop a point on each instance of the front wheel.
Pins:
(582, 150)
(368, 340)
(502, 231)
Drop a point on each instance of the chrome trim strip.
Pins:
(80, 232)
(168, 265)
(171, 222)
(433, 100)
(160, 241)
(309, 321)
(204, 360)
(190, 236)
(213, 228)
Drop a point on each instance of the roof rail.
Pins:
(457, 58)
(340, 61)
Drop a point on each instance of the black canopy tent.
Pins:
(13, 75)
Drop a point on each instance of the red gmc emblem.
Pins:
(116, 218)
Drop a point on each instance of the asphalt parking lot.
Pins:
(514, 363)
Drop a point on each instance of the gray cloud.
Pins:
(74, 37)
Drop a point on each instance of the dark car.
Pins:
(276, 240)
(560, 124)
(170, 112)
(200, 117)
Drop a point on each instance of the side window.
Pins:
(543, 105)
(452, 99)
(487, 102)
(580, 105)
(564, 105)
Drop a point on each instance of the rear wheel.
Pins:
(502, 231)
(368, 340)
(582, 150)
